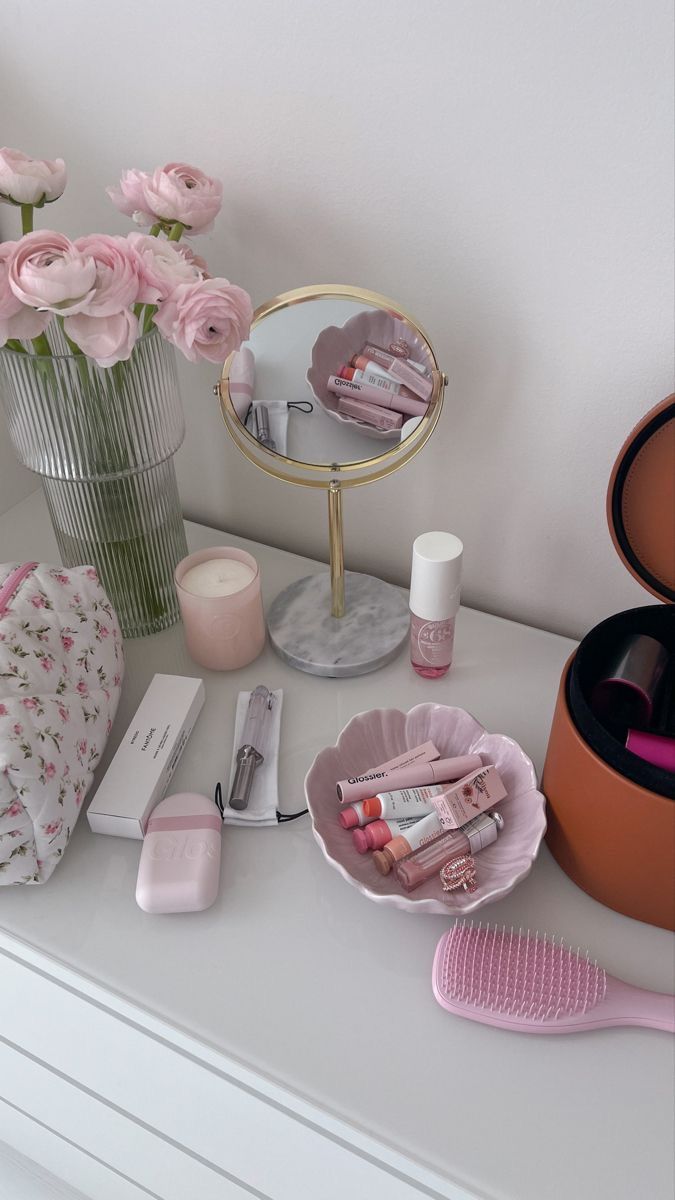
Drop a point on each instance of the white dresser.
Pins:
(285, 1044)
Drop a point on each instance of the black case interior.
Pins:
(588, 667)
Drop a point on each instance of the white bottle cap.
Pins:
(436, 575)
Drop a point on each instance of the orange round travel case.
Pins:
(611, 814)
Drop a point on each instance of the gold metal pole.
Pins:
(337, 560)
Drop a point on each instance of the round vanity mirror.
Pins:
(336, 387)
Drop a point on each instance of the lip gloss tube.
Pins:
(377, 834)
(414, 870)
(360, 787)
(421, 832)
(374, 395)
(398, 367)
(371, 414)
(364, 371)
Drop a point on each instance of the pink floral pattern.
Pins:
(61, 667)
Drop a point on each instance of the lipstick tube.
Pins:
(398, 367)
(379, 396)
(370, 414)
(426, 862)
(360, 787)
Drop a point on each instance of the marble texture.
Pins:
(371, 633)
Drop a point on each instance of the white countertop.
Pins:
(300, 978)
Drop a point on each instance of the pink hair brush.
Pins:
(533, 985)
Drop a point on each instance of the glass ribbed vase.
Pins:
(103, 439)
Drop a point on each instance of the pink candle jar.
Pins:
(221, 606)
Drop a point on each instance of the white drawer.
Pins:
(171, 1115)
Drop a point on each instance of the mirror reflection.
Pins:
(332, 381)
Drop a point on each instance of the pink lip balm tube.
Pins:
(398, 367)
(379, 396)
(360, 787)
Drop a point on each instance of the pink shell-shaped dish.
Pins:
(335, 346)
(376, 737)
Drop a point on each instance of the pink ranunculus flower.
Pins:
(3, 710)
(67, 642)
(50, 770)
(47, 663)
(17, 729)
(47, 271)
(208, 319)
(53, 827)
(16, 319)
(14, 810)
(108, 340)
(25, 180)
(118, 274)
(164, 266)
(82, 688)
(92, 574)
(176, 192)
(179, 192)
(37, 601)
(64, 713)
(129, 197)
(29, 703)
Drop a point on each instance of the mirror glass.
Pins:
(286, 391)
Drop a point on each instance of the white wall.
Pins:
(503, 168)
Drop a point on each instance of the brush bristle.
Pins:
(520, 974)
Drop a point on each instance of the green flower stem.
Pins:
(176, 231)
(14, 344)
(26, 218)
(147, 320)
(41, 345)
(156, 229)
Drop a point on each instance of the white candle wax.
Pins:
(217, 577)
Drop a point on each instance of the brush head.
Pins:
(514, 979)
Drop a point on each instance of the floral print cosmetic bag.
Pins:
(61, 665)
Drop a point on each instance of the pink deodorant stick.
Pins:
(179, 869)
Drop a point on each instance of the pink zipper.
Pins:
(12, 584)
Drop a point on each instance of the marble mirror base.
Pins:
(371, 633)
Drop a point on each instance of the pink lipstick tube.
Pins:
(398, 367)
(379, 396)
(371, 414)
(361, 787)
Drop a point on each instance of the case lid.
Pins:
(641, 501)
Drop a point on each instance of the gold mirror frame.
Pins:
(332, 477)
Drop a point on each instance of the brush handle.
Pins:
(628, 1005)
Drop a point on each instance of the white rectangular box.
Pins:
(146, 758)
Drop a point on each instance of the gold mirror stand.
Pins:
(369, 618)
